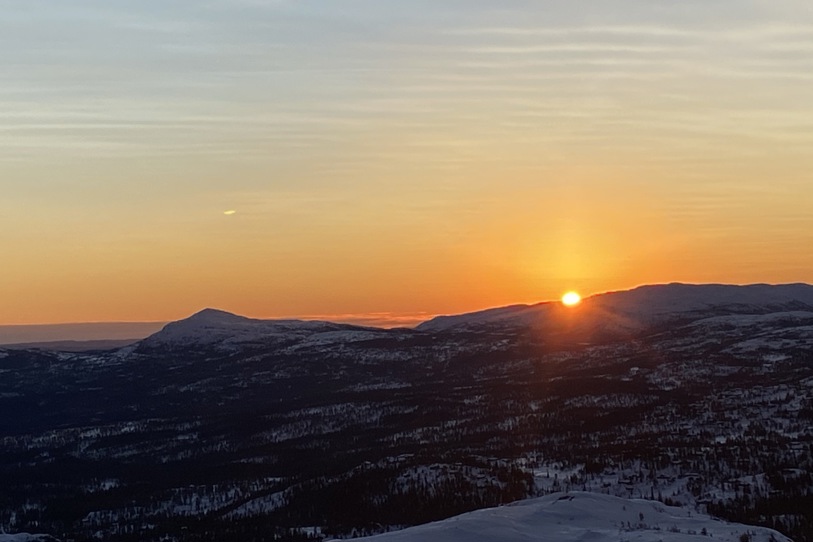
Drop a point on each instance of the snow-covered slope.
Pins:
(642, 306)
(580, 517)
(26, 537)
(663, 299)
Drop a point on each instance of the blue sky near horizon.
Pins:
(396, 157)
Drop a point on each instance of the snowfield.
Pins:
(581, 517)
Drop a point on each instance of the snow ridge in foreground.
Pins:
(26, 537)
(584, 517)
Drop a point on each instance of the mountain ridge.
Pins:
(643, 305)
(606, 316)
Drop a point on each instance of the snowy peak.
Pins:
(579, 516)
(213, 326)
(227, 331)
(216, 317)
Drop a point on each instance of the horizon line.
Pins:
(372, 318)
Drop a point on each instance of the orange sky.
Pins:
(404, 160)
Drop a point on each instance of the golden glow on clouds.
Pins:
(438, 165)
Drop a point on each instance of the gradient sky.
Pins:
(395, 159)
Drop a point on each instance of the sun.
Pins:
(571, 298)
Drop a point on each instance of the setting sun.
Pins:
(571, 298)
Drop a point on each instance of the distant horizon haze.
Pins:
(76, 331)
(15, 334)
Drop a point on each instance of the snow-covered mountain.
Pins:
(579, 517)
(211, 327)
(639, 308)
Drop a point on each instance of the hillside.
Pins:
(579, 516)
(222, 427)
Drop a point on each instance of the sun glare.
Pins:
(571, 298)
